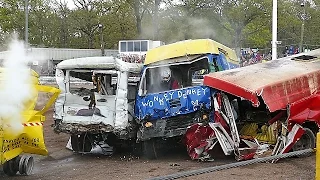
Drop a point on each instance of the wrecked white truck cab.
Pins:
(96, 101)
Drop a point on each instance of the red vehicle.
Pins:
(285, 90)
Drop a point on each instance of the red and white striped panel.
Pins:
(33, 124)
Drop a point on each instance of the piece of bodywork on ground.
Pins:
(279, 82)
(103, 102)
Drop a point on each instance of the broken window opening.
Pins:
(170, 77)
(83, 83)
(133, 81)
(80, 83)
(214, 66)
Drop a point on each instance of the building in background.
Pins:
(135, 51)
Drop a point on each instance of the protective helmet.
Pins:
(165, 74)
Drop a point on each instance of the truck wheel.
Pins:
(307, 141)
(137, 149)
(81, 143)
(10, 167)
(149, 149)
(26, 164)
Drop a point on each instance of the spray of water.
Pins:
(15, 85)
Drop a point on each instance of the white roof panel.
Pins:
(102, 62)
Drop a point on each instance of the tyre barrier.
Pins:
(22, 164)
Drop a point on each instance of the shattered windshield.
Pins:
(166, 78)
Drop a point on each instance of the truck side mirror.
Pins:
(140, 92)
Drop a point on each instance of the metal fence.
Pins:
(44, 60)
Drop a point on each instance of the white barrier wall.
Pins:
(62, 54)
(45, 59)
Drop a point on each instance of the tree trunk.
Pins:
(136, 8)
(63, 34)
(237, 41)
(138, 20)
(156, 20)
(123, 31)
(90, 41)
(187, 32)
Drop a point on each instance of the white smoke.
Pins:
(15, 85)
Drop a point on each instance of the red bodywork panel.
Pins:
(305, 109)
(279, 82)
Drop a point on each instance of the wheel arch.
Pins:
(312, 125)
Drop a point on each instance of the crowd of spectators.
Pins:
(288, 51)
(252, 56)
(133, 58)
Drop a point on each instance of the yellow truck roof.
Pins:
(188, 47)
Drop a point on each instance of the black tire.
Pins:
(10, 168)
(28, 165)
(307, 141)
(149, 149)
(81, 143)
(137, 149)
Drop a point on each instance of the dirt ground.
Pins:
(64, 164)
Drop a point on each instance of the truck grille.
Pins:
(179, 122)
(174, 103)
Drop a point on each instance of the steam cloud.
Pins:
(15, 86)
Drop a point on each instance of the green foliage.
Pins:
(236, 23)
(12, 16)
(119, 23)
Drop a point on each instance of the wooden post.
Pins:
(318, 157)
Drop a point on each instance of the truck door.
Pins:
(222, 62)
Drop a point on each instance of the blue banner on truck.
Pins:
(172, 103)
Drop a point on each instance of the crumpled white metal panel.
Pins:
(121, 120)
(103, 62)
(103, 113)
(58, 109)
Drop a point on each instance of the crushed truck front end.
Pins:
(169, 113)
(166, 106)
(171, 96)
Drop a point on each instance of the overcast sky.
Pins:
(70, 4)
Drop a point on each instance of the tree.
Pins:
(119, 22)
(62, 21)
(235, 23)
(156, 20)
(244, 18)
(86, 20)
(12, 16)
(139, 7)
(40, 16)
